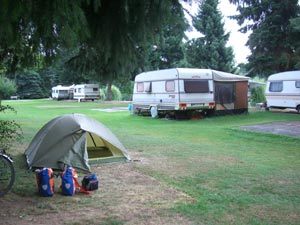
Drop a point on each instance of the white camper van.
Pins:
(283, 90)
(62, 92)
(180, 91)
(86, 92)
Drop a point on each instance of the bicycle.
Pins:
(7, 173)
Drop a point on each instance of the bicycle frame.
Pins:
(7, 157)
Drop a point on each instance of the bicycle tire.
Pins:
(7, 174)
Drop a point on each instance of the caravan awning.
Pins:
(227, 77)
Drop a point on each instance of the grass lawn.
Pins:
(228, 176)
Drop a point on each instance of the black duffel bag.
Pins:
(90, 182)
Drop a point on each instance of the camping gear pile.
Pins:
(69, 182)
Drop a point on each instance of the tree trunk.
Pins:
(109, 94)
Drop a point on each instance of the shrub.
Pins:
(115, 93)
(127, 91)
(102, 94)
(10, 130)
(258, 95)
(7, 88)
(30, 85)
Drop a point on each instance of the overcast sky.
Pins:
(237, 40)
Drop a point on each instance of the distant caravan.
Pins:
(181, 91)
(86, 92)
(283, 90)
(79, 92)
(60, 92)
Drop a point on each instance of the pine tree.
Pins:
(168, 52)
(274, 41)
(210, 51)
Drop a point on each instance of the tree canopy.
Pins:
(107, 40)
(34, 27)
(275, 38)
(97, 40)
(114, 30)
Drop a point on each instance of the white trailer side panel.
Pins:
(86, 92)
(60, 92)
(168, 89)
(283, 90)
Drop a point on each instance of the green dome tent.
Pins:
(75, 140)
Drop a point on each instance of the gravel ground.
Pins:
(288, 128)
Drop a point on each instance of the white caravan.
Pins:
(86, 92)
(180, 91)
(62, 92)
(283, 90)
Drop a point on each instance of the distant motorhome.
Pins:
(283, 90)
(181, 91)
(86, 92)
(60, 92)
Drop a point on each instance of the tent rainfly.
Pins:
(74, 140)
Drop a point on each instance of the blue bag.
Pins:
(45, 182)
(67, 182)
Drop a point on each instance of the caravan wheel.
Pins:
(298, 109)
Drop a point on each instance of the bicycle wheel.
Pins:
(7, 175)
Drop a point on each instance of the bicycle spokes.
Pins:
(7, 175)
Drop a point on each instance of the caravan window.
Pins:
(170, 86)
(297, 84)
(196, 86)
(140, 86)
(63, 92)
(276, 86)
(95, 89)
(148, 86)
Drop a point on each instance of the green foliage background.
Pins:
(7, 88)
(258, 95)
